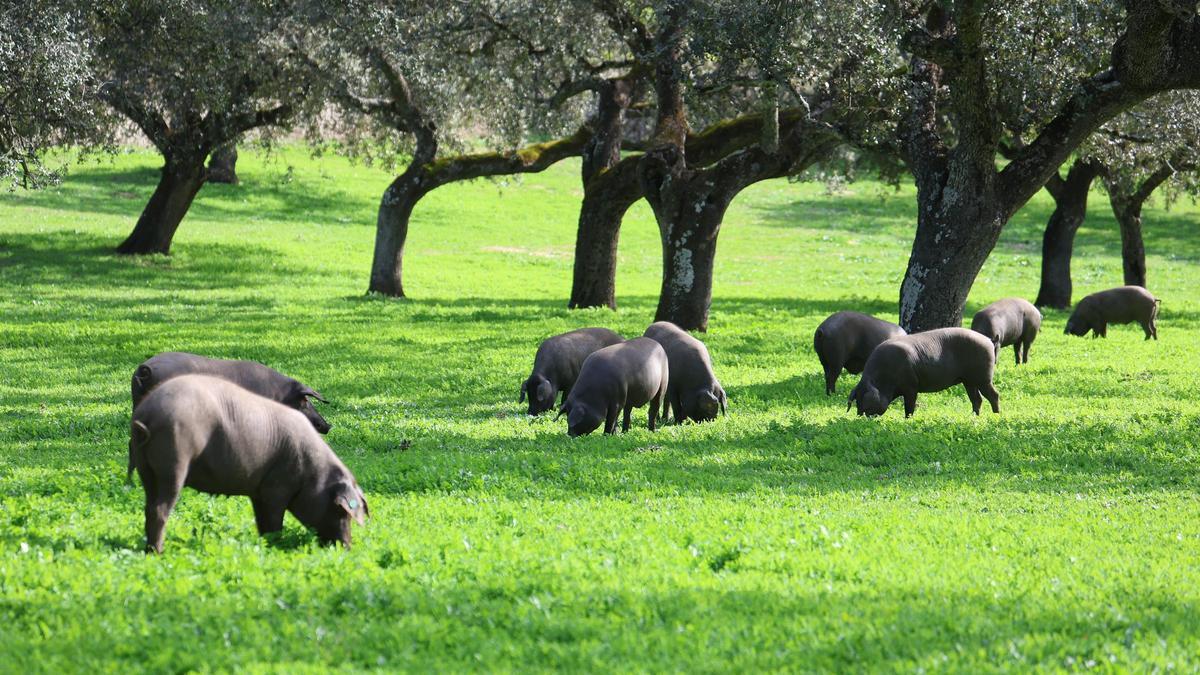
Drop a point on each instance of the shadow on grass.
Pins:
(1172, 233)
(72, 258)
(841, 455)
(124, 192)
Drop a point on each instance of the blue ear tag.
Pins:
(353, 503)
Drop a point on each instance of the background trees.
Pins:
(953, 127)
(45, 97)
(684, 104)
(417, 79)
(194, 76)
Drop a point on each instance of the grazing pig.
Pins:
(212, 435)
(1124, 304)
(926, 362)
(620, 377)
(846, 340)
(256, 377)
(693, 391)
(557, 364)
(1011, 321)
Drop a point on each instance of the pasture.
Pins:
(792, 535)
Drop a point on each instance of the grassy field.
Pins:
(1062, 534)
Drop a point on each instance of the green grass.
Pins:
(1061, 534)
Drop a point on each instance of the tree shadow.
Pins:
(73, 258)
(1169, 233)
(125, 191)
(841, 455)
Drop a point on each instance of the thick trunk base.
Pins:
(391, 231)
(222, 166)
(170, 202)
(948, 252)
(606, 199)
(686, 293)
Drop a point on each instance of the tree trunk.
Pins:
(606, 199)
(1058, 242)
(181, 179)
(610, 187)
(1128, 211)
(959, 219)
(222, 166)
(689, 240)
(1127, 201)
(945, 260)
(426, 173)
(391, 231)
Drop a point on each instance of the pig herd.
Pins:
(241, 428)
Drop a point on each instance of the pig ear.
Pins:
(721, 398)
(563, 409)
(543, 390)
(353, 505)
(853, 396)
(309, 392)
(366, 509)
(524, 385)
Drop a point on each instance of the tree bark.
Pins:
(1133, 250)
(946, 257)
(607, 196)
(610, 187)
(222, 166)
(181, 179)
(1127, 201)
(1058, 242)
(391, 232)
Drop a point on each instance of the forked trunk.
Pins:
(181, 179)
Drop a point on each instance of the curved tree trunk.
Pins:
(945, 260)
(606, 199)
(610, 187)
(222, 166)
(181, 179)
(426, 173)
(391, 231)
(1058, 242)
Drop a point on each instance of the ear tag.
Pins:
(352, 503)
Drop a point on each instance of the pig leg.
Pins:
(831, 377)
(1146, 326)
(162, 491)
(976, 399)
(993, 396)
(625, 422)
(910, 403)
(677, 405)
(1017, 351)
(268, 514)
(1025, 350)
(610, 420)
(654, 410)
